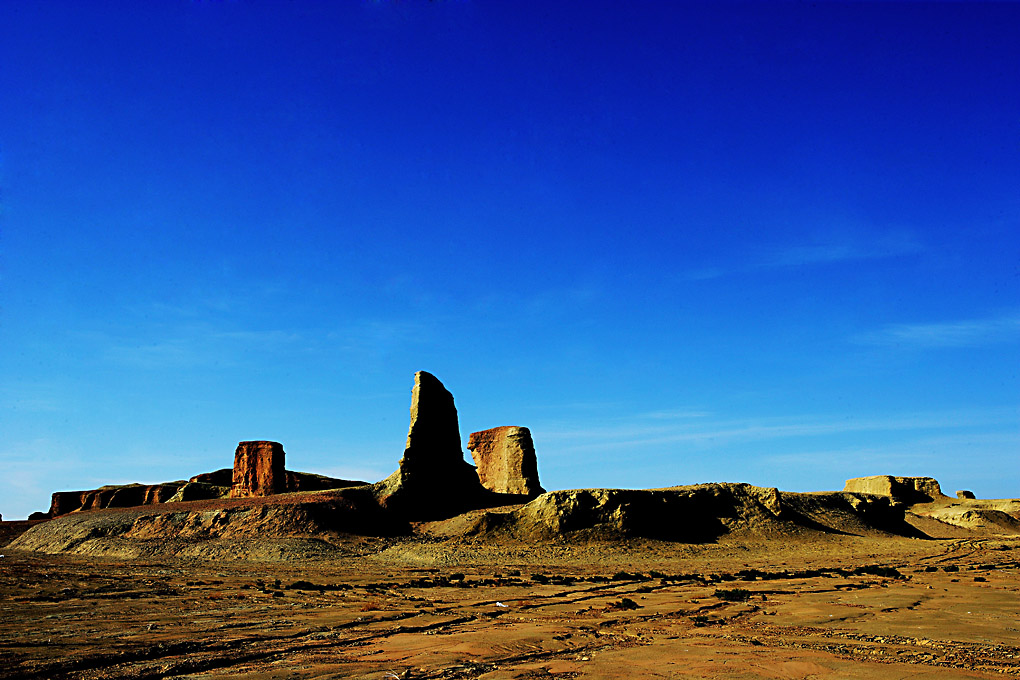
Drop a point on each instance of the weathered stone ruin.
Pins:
(506, 461)
(906, 489)
(433, 478)
(258, 470)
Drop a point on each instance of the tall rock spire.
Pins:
(433, 479)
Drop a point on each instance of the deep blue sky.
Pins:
(774, 243)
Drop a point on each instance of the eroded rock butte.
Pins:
(506, 461)
(258, 469)
(907, 489)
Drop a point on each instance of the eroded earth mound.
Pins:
(693, 514)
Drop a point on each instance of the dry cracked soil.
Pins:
(425, 607)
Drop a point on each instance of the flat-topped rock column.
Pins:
(258, 469)
(506, 461)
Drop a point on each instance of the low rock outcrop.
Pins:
(286, 528)
(199, 491)
(964, 494)
(222, 477)
(693, 514)
(433, 478)
(296, 481)
(206, 486)
(112, 496)
(258, 470)
(506, 461)
(910, 490)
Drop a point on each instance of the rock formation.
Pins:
(222, 477)
(258, 469)
(112, 496)
(199, 491)
(963, 493)
(696, 513)
(433, 479)
(308, 481)
(907, 489)
(206, 486)
(506, 462)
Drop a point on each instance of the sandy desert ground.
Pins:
(433, 607)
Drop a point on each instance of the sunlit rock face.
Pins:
(506, 461)
(906, 489)
(258, 469)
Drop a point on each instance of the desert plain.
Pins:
(429, 607)
(442, 572)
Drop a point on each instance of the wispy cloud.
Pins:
(676, 414)
(377, 335)
(917, 450)
(819, 253)
(193, 346)
(636, 432)
(205, 344)
(968, 333)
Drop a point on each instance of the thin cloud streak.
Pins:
(676, 415)
(816, 254)
(968, 333)
(631, 435)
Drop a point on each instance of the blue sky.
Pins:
(773, 243)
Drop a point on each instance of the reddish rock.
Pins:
(506, 462)
(63, 502)
(160, 493)
(112, 496)
(258, 469)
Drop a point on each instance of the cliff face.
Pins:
(205, 486)
(122, 496)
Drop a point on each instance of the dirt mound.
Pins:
(318, 523)
(12, 529)
(1001, 517)
(693, 514)
(984, 520)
